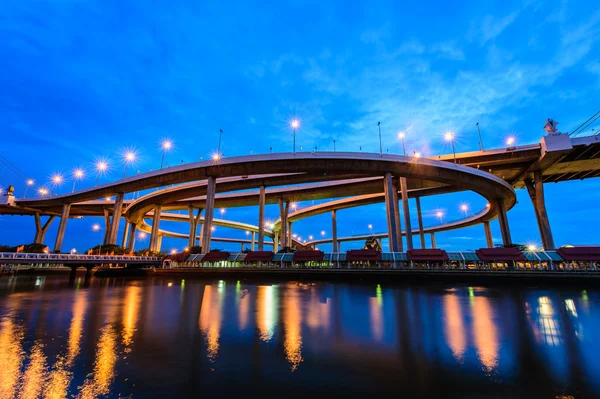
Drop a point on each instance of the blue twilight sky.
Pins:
(78, 76)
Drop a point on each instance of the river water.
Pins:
(177, 338)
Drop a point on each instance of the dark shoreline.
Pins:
(555, 278)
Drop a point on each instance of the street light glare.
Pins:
(401, 135)
(130, 156)
(96, 227)
(531, 247)
(295, 123)
(57, 179)
(294, 205)
(464, 207)
(142, 235)
(439, 214)
(43, 191)
(417, 155)
(215, 156)
(78, 173)
(449, 136)
(167, 144)
(101, 166)
(30, 182)
(510, 140)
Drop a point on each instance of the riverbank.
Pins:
(397, 275)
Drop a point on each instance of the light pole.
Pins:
(166, 146)
(450, 137)
(440, 215)
(129, 158)
(480, 140)
(97, 227)
(57, 180)
(77, 175)
(401, 136)
(333, 145)
(371, 228)
(101, 167)
(295, 124)
(29, 183)
(219, 147)
(380, 146)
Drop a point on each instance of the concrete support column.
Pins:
(252, 241)
(420, 217)
(397, 215)
(155, 229)
(131, 241)
(125, 235)
(261, 219)
(40, 231)
(334, 240)
(106, 225)
(196, 223)
(211, 187)
(432, 240)
(116, 218)
(503, 220)
(159, 243)
(407, 228)
(62, 227)
(290, 239)
(535, 189)
(276, 241)
(192, 236)
(488, 234)
(388, 188)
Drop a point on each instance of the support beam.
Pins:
(106, 225)
(420, 217)
(155, 229)
(41, 230)
(290, 239)
(62, 227)
(334, 240)
(488, 234)
(535, 189)
(407, 228)
(211, 186)
(396, 183)
(388, 188)
(196, 223)
(252, 241)
(159, 243)
(131, 241)
(432, 235)
(125, 235)
(261, 218)
(116, 218)
(276, 241)
(503, 221)
(192, 235)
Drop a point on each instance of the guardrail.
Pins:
(12, 257)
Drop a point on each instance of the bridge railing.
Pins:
(78, 257)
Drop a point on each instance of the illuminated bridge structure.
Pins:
(357, 178)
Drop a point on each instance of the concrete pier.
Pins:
(41, 230)
(535, 188)
(334, 241)
(261, 218)
(488, 234)
(211, 187)
(420, 218)
(388, 187)
(62, 227)
(116, 218)
(407, 227)
(155, 229)
(503, 220)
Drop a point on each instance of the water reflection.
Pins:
(140, 339)
(210, 319)
(454, 327)
(292, 324)
(266, 313)
(485, 332)
(11, 356)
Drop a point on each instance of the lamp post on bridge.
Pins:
(97, 228)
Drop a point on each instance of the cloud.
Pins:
(491, 26)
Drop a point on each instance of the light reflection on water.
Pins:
(158, 338)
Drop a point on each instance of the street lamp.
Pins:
(219, 146)
(129, 158)
(371, 228)
(323, 233)
(449, 136)
(77, 175)
(464, 208)
(166, 146)
(101, 167)
(97, 227)
(401, 137)
(295, 125)
(480, 140)
(28, 183)
(510, 141)
(43, 192)
(440, 215)
(222, 210)
(142, 235)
